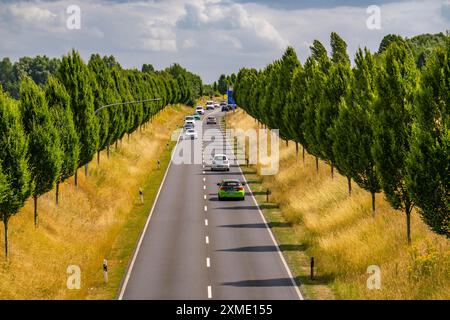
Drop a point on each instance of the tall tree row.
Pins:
(78, 111)
(383, 122)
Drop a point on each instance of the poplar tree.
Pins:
(428, 163)
(59, 105)
(74, 75)
(353, 132)
(44, 152)
(288, 63)
(397, 83)
(294, 114)
(15, 176)
(336, 88)
(98, 92)
(316, 70)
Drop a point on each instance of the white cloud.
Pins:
(209, 37)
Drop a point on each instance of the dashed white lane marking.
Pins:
(204, 187)
(204, 172)
(208, 262)
(203, 166)
(206, 222)
(204, 196)
(206, 208)
(209, 292)
(207, 240)
(204, 179)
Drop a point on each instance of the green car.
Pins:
(196, 116)
(231, 189)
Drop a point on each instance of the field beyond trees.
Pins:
(317, 214)
(102, 218)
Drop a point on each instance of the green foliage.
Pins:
(44, 150)
(74, 75)
(428, 165)
(222, 84)
(13, 159)
(352, 130)
(59, 105)
(381, 123)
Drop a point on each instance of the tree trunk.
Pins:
(287, 143)
(408, 223)
(373, 203)
(303, 154)
(349, 180)
(107, 151)
(76, 177)
(86, 169)
(98, 157)
(5, 224)
(332, 171)
(57, 192)
(296, 149)
(35, 198)
(317, 164)
(116, 144)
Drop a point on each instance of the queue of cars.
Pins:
(228, 189)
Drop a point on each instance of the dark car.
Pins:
(225, 108)
(211, 120)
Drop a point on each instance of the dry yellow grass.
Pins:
(343, 236)
(83, 229)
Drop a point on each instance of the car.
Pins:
(188, 126)
(210, 106)
(200, 110)
(223, 103)
(211, 120)
(220, 162)
(209, 103)
(225, 108)
(190, 122)
(197, 116)
(189, 118)
(190, 134)
(231, 189)
(216, 105)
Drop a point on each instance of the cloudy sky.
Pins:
(209, 37)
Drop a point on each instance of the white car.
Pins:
(190, 122)
(209, 105)
(200, 110)
(190, 134)
(220, 162)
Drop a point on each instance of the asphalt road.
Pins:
(195, 247)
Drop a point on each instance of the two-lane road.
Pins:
(195, 247)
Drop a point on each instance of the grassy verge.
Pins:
(102, 218)
(312, 215)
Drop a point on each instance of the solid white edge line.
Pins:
(288, 270)
(130, 268)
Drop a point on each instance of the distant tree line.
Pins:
(383, 122)
(220, 86)
(57, 124)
